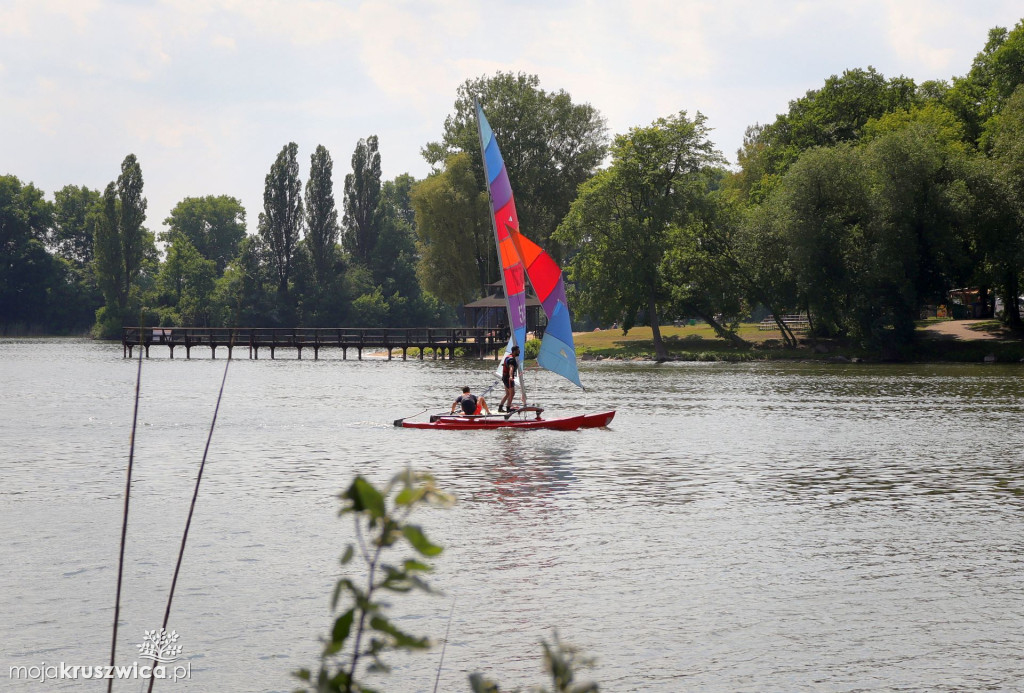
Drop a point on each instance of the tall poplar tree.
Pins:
(109, 267)
(131, 214)
(361, 221)
(321, 216)
(280, 224)
(121, 245)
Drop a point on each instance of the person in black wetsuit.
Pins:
(509, 370)
(470, 403)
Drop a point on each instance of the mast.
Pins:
(478, 112)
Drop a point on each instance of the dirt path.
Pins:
(959, 329)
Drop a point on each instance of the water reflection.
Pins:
(521, 473)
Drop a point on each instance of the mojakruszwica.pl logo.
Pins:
(159, 651)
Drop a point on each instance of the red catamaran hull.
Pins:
(463, 423)
(598, 420)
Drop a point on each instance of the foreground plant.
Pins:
(363, 634)
(561, 661)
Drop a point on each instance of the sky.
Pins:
(206, 92)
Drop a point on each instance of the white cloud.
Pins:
(206, 92)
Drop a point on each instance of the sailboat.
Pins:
(522, 260)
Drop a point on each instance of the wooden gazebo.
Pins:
(491, 311)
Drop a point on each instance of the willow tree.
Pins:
(454, 232)
(625, 217)
(1005, 241)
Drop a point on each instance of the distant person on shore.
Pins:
(469, 403)
(509, 370)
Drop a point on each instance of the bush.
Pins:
(531, 348)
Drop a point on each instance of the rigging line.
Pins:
(492, 386)
(124, 522)
(192, 505)
(445, 646)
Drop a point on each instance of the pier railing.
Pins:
(473, 341)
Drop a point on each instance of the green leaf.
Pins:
(365, 497)
(349, 552)
(344, 584)
(413, 566)
(419, 541)
(343, 626)
(340, 681)
(402, 639)
(409, 495)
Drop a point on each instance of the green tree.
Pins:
(914, 174)
(453, 226)
(996, 72)
(213, 225)
(72, 233)
(321, 217)
(280, 224)
(624, 219)
(361, 221)
(393, 261)
(876, 230)
(27, 272)
(990, 222)
(244, 294)
(122, 248)
(135, 240)
(109, 267)
(186, 283)
(1006, 240)
(550, 145)
(77, 294)
(835, 113)
(822, 207)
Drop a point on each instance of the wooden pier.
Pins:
(473, 341)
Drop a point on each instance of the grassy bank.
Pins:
(700, 343)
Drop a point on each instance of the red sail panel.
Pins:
(543, 272)
(506, 218)
(514, 276)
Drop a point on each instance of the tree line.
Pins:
(86, 261)
(867, 201)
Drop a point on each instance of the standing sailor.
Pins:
(509, 370)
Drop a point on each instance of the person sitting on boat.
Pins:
(509, 370)
(470, 403)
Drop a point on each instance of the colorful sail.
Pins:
(557, 349)
(521, 257)
(503, 206)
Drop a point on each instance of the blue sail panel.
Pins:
(557, 352)
(558, 357)
(493, 161)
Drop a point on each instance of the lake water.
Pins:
(784, 527)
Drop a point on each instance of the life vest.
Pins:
(509, 366)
